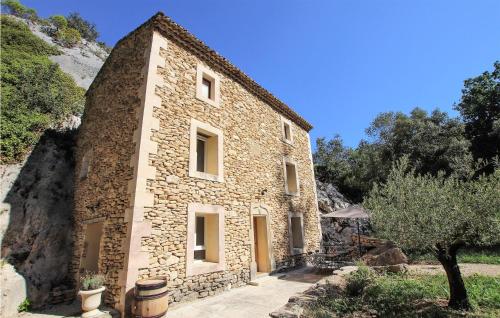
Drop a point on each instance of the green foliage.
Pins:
(24, 306)
(432, 143)
(476, 256)
(359, 280)
(87, 29)
(35, 93)
(420, 212)
(480, 110)
(90, 281)
(14, 7)
(399, 295)
(68, 37)
(59, 22)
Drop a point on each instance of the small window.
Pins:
(199, 238)
(207, 85)
(85, 167)
(205, 237)
(296, 232)
(291, 182)
(205, 159)
(206, 88)
(201, 150)
(286, 127)
(286, 131)
(297, 239)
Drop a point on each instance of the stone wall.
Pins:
(136, 131)
(253, 162)
(107, 138)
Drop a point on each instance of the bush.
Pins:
(59, 22)
(87, 29)
(359, 280)
(91, 281)
(35, 93)
(68, 37)
(24, 306)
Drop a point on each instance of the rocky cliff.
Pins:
(37, 199)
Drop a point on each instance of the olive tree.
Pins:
(439, 214)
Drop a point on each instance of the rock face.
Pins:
(329, 198)
(337, 233)
(37, 197)
(37, 214)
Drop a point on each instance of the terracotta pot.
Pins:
(91, 299)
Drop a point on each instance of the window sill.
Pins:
(292, 194)
(206, 176)
(287, 141)
(209, 101)
(203, 267)
(297, 250)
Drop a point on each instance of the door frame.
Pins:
(260, 210)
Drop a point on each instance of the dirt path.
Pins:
(465, 269)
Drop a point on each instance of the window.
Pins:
(91, 246)
(85, 167)
(207, 85)
(206, 155)
(296, 232)
(291, 177)
(206, 88)
(286, 127)
(205, 250)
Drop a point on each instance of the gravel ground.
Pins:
(465, 269)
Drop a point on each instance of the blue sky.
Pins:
(337, 63)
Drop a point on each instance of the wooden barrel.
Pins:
(151, 298)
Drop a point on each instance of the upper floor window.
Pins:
(207, 85)
(85, 166)
(286, 128)
(206, 153)
(291, 177)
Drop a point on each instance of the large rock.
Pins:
(37, 217)
(385, 255)
(329, 198)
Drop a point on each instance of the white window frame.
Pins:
(288, 122)
(206, 129)
(203, 72)
(296, 250)
(197, 267)
(291, 162)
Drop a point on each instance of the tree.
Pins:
(87, 29)
(480, 111)
(432, 143)
(439, 214)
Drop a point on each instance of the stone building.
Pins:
(186, 168)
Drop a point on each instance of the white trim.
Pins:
(288, 122)
(291, 162)
(201, 267)
(204, 72)
(296, 250)
(206, 129)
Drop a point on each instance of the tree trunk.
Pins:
(458, 294)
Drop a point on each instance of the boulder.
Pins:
(385, 255)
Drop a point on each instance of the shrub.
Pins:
(24, 306)
(91, 281)
(68, 37)
(59, 22)
(357, 281)
(87, 29)
(35, 93)
(14, 7)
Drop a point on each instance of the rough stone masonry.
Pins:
(137, 179)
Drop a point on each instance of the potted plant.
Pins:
(91, 290)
